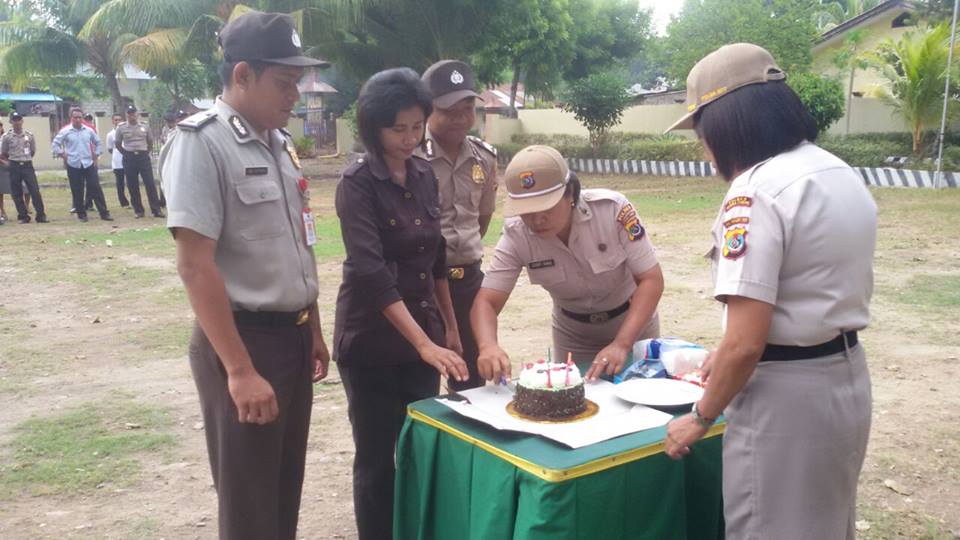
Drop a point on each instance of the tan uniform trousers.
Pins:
(585, 340)
(794, 444)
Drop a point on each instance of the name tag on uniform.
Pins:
(546, 263)
(256, 171)
(309, 227)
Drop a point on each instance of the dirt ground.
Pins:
(91, 311)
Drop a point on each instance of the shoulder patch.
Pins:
(627, 217)
(483, 144)
(197, 121)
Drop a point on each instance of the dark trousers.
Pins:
(137, 165)
(462, 292)
(258, 470)
(86, 179)
(121, 195)
(91, 194)
(377, 398)
(22, 173)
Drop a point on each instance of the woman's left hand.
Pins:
(608, 361)
(681, 433)
(453, 341)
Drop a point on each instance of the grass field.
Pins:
(100, 435)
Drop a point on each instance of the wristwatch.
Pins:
(704, 422)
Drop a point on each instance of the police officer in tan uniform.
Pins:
(241, 218)
(588, 249)
(792, 252)
(17, 148)
(134, 141)
(466, 168)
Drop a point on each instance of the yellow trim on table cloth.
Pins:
(555, 475)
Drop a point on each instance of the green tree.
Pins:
(783, 27)
(364, 37)
(830, 13)
(606, 32)
(849, 58)
(532, 40)
(915, 68)
(597, 102)
(934, 11)
(822, 96)
(44, 39)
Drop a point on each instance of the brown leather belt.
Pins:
(272, 318)
(599, 317)
(775, 353)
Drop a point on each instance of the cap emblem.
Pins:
(295, 38)
(527, 181)
(456, 77)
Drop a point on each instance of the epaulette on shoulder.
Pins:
(484, 144)
(354, 167)
(601, 194)
(197, 121)
(285, 132)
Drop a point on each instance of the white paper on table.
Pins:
(615, 417)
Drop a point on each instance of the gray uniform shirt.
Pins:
(18, 146)
(135, 138)
(225, 183)
(798, 232)
(468, 189)
(595, 271)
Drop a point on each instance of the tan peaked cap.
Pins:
(536, 179)
(723, 71)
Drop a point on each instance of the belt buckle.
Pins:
(455, 272)
(597, 318)
(303, 317)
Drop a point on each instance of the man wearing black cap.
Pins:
(240, 214)
(466, 168)
(133, 140)
(18, 148)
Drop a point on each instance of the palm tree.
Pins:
(831, 13)
(915, 68)
(44, 39)
(164, 37)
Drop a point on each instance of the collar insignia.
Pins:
(238, 127)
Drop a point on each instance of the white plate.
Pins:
(659, 392)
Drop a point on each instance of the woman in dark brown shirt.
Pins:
(395, 333)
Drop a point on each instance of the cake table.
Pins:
(459, 478)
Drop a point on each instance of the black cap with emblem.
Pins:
(265, 37)
(450, 81)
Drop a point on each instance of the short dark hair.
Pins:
(117, 115)
(753, 123)
(384, 95)
(573, 187)
(226, 70)
(76, 109)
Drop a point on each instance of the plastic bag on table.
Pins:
(661, 358)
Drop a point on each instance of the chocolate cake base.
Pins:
(551, 404)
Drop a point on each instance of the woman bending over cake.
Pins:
(390, 343)
(588, 249)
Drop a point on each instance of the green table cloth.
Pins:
(461, 479)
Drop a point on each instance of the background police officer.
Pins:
(133, 140)
(466, 168)
(18, 148)
(244, 252)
